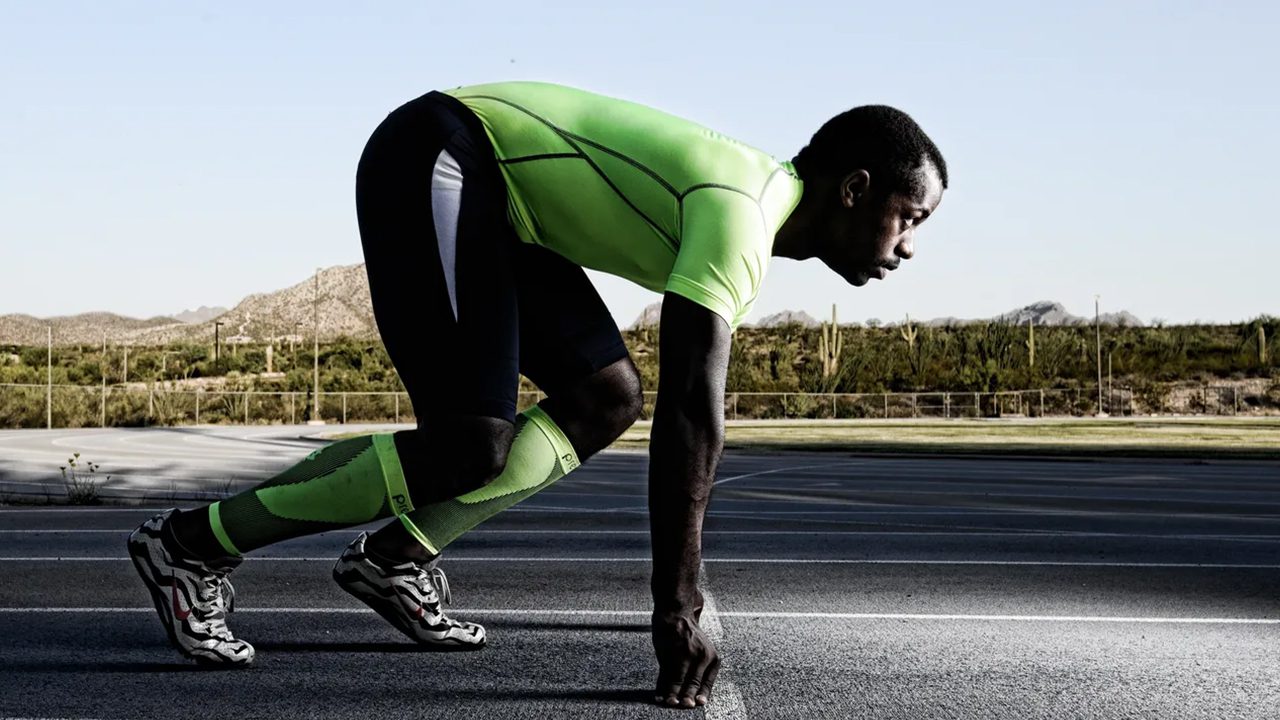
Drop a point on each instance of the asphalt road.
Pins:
(841, 587)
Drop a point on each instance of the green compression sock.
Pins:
(346, 483)
(540, 454)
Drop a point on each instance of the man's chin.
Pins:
(857, 279)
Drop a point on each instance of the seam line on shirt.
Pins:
(673, 243)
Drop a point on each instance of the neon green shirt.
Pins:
(632, 191)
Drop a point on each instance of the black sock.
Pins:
(386, 563)
(193, 534)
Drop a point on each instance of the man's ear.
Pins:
(854, 186)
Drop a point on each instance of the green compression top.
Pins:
(632, 191)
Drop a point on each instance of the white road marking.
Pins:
(746, 614)
(726, 702)
(756, 561)
(786, 469)
(1012, 532)
(25, 718)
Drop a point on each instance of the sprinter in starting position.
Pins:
(478, 209)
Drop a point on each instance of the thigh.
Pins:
(438, 254)
(566, 332)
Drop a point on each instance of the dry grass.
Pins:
(1189, 437)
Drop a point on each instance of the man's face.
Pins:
(869, 231)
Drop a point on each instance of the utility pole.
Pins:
(1097, 324)
(1111, 391)
(315, 413)
(217, 345)
(48, 388)
(103, 373)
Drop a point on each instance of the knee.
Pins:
(454, 456)
(480, 456)
(477, 469)
(623, 394)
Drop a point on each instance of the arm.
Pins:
(684, 450)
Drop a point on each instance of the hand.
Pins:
(687, 661)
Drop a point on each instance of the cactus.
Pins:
(1262, 345)
(1031, 342)
(909, 334)
(830, 344)
(270, 357)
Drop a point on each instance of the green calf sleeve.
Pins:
(347, 483)
(540, 454)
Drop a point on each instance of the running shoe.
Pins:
(192, 596)
(406, 596)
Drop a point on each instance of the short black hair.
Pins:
(880, 139)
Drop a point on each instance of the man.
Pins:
(478, 208)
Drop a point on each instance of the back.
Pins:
(632, 191)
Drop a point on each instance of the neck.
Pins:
(796, 239)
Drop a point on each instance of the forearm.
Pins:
(684, 451)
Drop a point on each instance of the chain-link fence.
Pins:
(37, 406)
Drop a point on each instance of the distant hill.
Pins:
(649, 317)
(85, 328)
(787, 317)
(344, 309)
(199, 315)
(1046, 312)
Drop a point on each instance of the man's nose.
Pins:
(905, 249)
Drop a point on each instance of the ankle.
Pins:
(386, 554)
(191, 540)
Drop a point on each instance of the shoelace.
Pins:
(219, 593)
(437, 577)
(429, 579)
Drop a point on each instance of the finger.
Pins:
(669, 684)
(708, 681)
(693, 681)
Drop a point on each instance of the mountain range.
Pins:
(342, 304)
(1044, 312)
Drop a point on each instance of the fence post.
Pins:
(104, 404)
(344, 408)
(397, 408)
(1235, 400)
(946, 405)
(1041, 402)
(833, 406)
(977, 406)
(151, 402)
(198, 393)
(735, 406)
(784, 405)
(886, 406)
(246, 407)
(293, 418)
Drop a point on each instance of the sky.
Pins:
(159, 156)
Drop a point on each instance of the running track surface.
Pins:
(840, 586)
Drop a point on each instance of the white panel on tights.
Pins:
(446, 196)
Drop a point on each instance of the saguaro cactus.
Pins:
(909, 334)
(1031, 342)
(830, 344)
(1262, 344)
